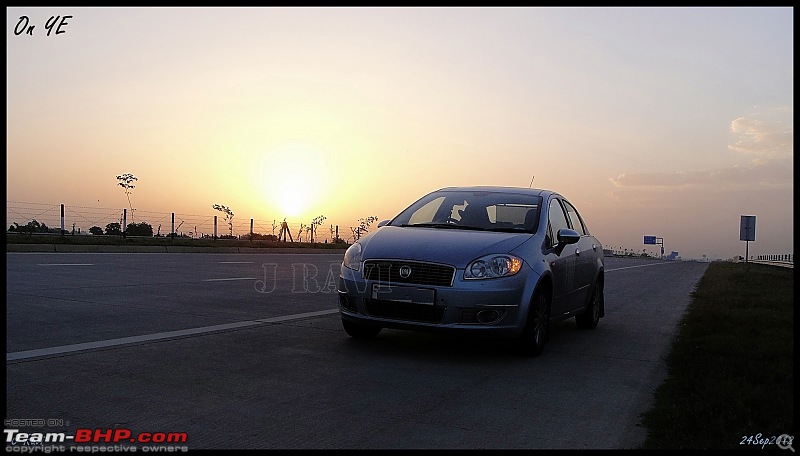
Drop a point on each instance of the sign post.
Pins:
(656, 241)
(747, 232)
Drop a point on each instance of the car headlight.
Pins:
(352, 257)
(492, 266)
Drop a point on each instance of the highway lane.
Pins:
(247, 351)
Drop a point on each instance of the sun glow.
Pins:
(292, 178)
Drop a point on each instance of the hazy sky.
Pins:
(672, 122)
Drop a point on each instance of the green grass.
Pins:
(731, 369)
(158, 241)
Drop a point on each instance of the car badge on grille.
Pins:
(405, 271)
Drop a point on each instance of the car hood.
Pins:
(438, 245)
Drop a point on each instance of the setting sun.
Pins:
(292, 178)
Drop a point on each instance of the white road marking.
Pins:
(637, 266)
(66, 349)
(236, 262)
(65, 264)
(230, 278)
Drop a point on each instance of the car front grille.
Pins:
(420, 273)
(404, 311)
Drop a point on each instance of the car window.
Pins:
(557, 220)
(575, 219)
(427, 212)
(476, 210)
(515, 214)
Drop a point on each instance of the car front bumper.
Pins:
(496, 307)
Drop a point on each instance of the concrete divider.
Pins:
(30, 248)
(69, 248)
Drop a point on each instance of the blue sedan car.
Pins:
(493, 261)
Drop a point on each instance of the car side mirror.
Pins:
(384, 222)
(566, 237)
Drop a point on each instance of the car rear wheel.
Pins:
(591, 316)
(358, 331)
(537, 330)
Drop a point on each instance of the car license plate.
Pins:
(404, 294)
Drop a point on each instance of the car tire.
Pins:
(537, 329)
(589, 318)
(358, 331)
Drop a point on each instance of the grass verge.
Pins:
(731, 369)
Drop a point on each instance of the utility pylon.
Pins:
(284, 231)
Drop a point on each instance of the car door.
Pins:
(586, 252)
(562, 264)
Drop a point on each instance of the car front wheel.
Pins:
(537, 329)
(358, 331)
(591, 316)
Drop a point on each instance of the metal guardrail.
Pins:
(780, 258)
(785, 260)
(785, 264)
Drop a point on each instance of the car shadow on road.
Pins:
(437, 347)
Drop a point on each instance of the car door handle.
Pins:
(577, 251)
(594, 247)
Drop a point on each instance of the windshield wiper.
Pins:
(467, 227)
(448, 225)
(508, 230)
(433, 225)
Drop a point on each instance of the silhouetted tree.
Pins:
(96, 230)
(228, 215)
(315, 223)
(264, 237)
(139, 229)
(114, 228)
(31, 227)
(125, 181)
(363, 226)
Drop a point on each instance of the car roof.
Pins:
(501, 189)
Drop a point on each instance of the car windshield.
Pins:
(473, 210)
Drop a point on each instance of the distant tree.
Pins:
(31, 227)
(228, 215)
(139, 229)
(315, 223)
(363, 226)
(300, 232)
(126, 182)
(114, 229)
(264, 237)
(96, 230)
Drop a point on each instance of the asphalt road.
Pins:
(246, 351)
